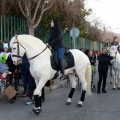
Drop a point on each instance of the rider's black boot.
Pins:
(62, 70)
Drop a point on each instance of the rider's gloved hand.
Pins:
(47, 44)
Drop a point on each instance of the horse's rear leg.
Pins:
(84, 88)
(73, 83)
(118, 80)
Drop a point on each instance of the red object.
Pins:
(25, 95)
(2, 78)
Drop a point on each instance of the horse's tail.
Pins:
(88, 79)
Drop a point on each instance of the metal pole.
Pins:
(74, 38)
(4, 28)
(11, 26)
(8, 27)
(15, 32)
(1, 28)
(74, 42)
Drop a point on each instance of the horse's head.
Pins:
(113, 52)
(17, 50)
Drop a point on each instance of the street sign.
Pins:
(74, 32)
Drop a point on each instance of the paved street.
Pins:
(96, 107)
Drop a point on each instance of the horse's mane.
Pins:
(33, 40)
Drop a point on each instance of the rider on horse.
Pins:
(55, 42)
(116, 43)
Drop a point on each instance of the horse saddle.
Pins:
(68, 60)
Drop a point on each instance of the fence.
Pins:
(82, 43)
(11, 25)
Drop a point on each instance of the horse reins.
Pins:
(18, 52)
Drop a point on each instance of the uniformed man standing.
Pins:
(104, 62)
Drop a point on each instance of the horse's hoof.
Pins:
(118, 88)
(93, 88)
(68, 103)
(79, 105)
(42, 100)
(114, 88)
(37, 111)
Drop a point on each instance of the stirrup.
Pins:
(62, 77)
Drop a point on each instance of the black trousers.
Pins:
(10, 79)
(102, 78)
(31, 90)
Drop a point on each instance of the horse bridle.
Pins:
(18, 52)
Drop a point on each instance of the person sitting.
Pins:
(55, 42)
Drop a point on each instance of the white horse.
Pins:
(115, 66)
(41, 70)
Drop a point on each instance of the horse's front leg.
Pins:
(114, 85)
(111, 75)
(37, 96)
(119, 80)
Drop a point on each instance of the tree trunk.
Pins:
(31, 30)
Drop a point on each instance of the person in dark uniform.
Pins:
(24, 67)
(56, 43)
(104, 62)
(31, 88)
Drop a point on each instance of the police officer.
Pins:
(104, 62)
